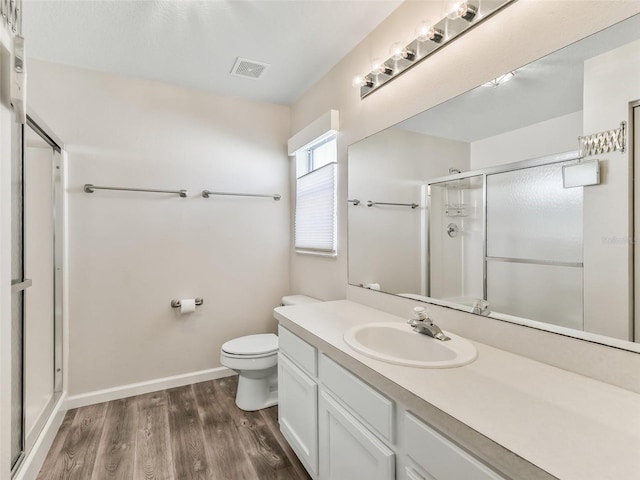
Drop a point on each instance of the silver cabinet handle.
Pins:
(23, 285)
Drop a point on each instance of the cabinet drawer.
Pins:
(303, 354)
(439, 457)
(372, 407)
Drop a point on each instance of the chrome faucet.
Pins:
(423, 324)
(481, 307)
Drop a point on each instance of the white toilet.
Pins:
(255, 358)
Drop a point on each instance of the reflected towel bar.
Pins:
(355, 201)
(88, 188)
(207, 193)
(412, 205)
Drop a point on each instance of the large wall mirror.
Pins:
(473, 204)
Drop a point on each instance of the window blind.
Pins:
(315, 221)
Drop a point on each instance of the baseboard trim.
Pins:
(35, 458)
(132, 389)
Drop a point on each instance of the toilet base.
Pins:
(257, 393)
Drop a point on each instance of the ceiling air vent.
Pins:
(249, 68)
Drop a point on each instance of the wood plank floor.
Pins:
(193, 432)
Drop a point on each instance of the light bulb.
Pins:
(451, 9)
(435, 34)
(422, 30)
(460, 9)
(396, 51)
(467, 11)
(360, 81)
(377, 66)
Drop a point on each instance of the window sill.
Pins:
(317, 254)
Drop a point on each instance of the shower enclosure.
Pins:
(36, 287)
(510, 235)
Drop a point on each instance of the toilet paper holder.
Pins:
(178, 303)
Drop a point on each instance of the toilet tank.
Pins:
(298, 300)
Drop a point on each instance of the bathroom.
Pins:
(152, 123)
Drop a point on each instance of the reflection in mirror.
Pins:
(511, 221)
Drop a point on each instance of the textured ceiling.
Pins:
(195, 43)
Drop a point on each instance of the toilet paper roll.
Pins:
(187, 305)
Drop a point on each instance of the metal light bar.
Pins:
(464, 15)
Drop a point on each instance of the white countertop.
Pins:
(570, 426)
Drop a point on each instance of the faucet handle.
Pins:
(419, 313)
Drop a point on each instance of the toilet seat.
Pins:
(253, 346)
(248, 357)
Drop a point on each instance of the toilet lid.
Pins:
(252, 344)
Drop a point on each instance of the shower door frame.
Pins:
(634, 155)
(44, 132)
(484, 172)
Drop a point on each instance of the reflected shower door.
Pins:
(534, 246)
(456, 239)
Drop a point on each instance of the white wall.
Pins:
(392, 167)
(611, 82)
(132, 253)
(557, 135)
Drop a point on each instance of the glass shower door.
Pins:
(37, 300)
(456, 239)
(18, 286)
(534, 246)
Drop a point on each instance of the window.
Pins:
(315, 217)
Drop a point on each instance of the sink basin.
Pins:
(395, 342)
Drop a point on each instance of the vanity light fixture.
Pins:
(459, 17)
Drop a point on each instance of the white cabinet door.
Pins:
(298, 412)
(439, 457)
(348, 451)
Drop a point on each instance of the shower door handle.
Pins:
(19, 286)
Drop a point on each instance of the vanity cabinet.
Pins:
(298, 398)
(341, 428)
